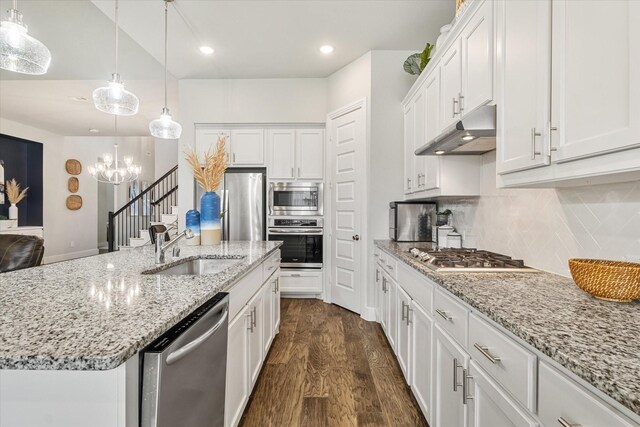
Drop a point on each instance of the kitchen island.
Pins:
(70, 332)
(586, 340)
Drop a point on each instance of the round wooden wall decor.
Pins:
(74, 202)
(74, 184)
(73, 167)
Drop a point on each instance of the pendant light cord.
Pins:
(116, 21)
(166, 26)
(15, 4)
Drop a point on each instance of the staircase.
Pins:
(128, 227)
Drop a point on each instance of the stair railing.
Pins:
(141, 211)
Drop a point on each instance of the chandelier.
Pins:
(19, 52)
(114, 171)
(165, 127)
(114, 98)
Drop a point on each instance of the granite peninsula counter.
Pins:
(94, 313)
(599, 341)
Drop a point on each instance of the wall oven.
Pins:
(302, 239)
(296, 198)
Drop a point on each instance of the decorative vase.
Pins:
(210, 228)
(13, 211)
(193, 222)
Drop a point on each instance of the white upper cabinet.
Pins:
(478, 42)
(409, 131)
(282, 153)
(432, 127)
(310, 154)
(523, 77)
(207, 139)
(247, 147)
(451, 85)
(419, 121)
(595, 104)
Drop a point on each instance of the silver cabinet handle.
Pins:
(234, 157)
(408, 183)
(465, 385)
(551, 129)
(534, 134)
(292, 173)
(278, 284)
(250, 316)
(455, 101)
(485, 352)
(565, 423)
(460, 103)
(295, 275)
(443, 314)
(377, 276)
(299, 175)
(253, 318)
(409, 311)
(455, 374)
(403, 306)
(384, 285)
(389, 266)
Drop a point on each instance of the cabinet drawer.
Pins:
(562, 399)
(390, 264)
(382, 258)
(270, 265)
(419, 288)
(451, 316)
(241, 292)
(300, 282)
(505, 360)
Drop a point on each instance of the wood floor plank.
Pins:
(314, 412)
(316, 379)
(399, 406)
(342, 405)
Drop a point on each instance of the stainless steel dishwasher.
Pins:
(184, 370)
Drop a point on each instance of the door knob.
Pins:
(356, 237)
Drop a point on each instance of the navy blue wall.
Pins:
(23, 161)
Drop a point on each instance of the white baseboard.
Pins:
(369, 314)
(68, 256)
(300, 295)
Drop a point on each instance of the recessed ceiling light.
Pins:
(326, 49)
(468, 137)
(207, 50)
(440, 152)
(94, 130)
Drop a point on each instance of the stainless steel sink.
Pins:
(199, 266)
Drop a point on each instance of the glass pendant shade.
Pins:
(165, 127)
(19, 52)
(115, 99)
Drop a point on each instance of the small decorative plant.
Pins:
(417, 62)
(14, 194)
(443, 217)
(215, 164)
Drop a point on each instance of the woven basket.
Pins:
(608, 280)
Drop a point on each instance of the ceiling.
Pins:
(252, 39)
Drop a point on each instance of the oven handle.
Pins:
(277, 231)
(188, 348)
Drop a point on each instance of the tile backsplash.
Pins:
(546, 227)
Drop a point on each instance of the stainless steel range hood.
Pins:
(474, 134)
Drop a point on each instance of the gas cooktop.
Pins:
(468, 260)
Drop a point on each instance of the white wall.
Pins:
(166, 156)
(350, 83)
(242, 101)
(546, 227)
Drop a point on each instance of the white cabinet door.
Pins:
(268, 291)
(408, 148)
(451, 85)
(488, 405)
(247, 147)
(596, 109)
(384, 315)
(431, 178)
(238, 383)
(421, 355)
(477, 59)
(379, 292)
(207, 139)
(403, 339)
(256, 348)
(392, 321)
(310, 153)
(450, 360)
(276, 306)
(282, 153)
(523, 79)
(419, 122)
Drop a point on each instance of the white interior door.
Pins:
(347, 139)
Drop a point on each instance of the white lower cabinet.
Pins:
(487, 403)
(268, 327)
(238, 386)
(450, 367)
(392, 317)
(256, 349)
(420, 358)
(276, 305)
(403, 339)
(301, 281)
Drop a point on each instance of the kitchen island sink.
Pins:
(197, 266)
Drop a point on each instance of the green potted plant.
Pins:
(442, 218)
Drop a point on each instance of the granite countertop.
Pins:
(95, 313)
(597, 340)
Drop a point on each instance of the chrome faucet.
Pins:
(161, 247)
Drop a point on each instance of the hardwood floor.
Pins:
(328, 367)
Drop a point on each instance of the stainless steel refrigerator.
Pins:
(242, 203)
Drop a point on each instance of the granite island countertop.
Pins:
(94, 313)
(597, 340)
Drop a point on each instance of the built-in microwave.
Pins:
(296, 198)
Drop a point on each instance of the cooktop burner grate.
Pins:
(468, 259)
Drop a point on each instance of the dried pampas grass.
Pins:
(13, 192)
(215, 164)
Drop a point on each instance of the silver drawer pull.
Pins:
(295, 275)
(443, 314)
(465, 385)
(455, 374)
(390, 267)
(565, 423)
(485, 352)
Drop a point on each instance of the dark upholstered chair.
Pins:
(155, 229)
(18, 252)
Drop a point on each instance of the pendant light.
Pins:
(114, 98)
(114, 171)
(19, 52)
(165, 127)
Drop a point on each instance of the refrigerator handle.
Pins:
(225, 211)
(270, 198)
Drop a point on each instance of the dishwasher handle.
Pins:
(188, 348)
